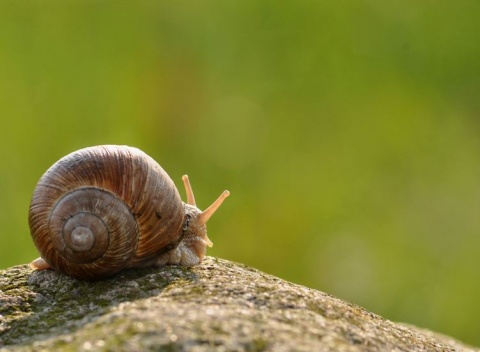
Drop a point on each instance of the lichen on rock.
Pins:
(216, 306)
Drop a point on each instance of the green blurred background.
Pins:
(346, 131)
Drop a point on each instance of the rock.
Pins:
(216, 306)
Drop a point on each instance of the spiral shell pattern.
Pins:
(101, 209)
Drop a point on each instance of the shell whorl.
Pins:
(104, 208)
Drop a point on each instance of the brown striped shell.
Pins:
(101, 209)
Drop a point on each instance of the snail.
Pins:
(106, 208)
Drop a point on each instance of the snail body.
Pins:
(101, 209)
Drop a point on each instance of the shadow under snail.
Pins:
(102, 209)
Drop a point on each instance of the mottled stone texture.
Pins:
(217, 306)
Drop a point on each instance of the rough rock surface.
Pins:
(217, 306)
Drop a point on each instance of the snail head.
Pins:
(192, 248)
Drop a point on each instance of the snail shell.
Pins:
(101, 209)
